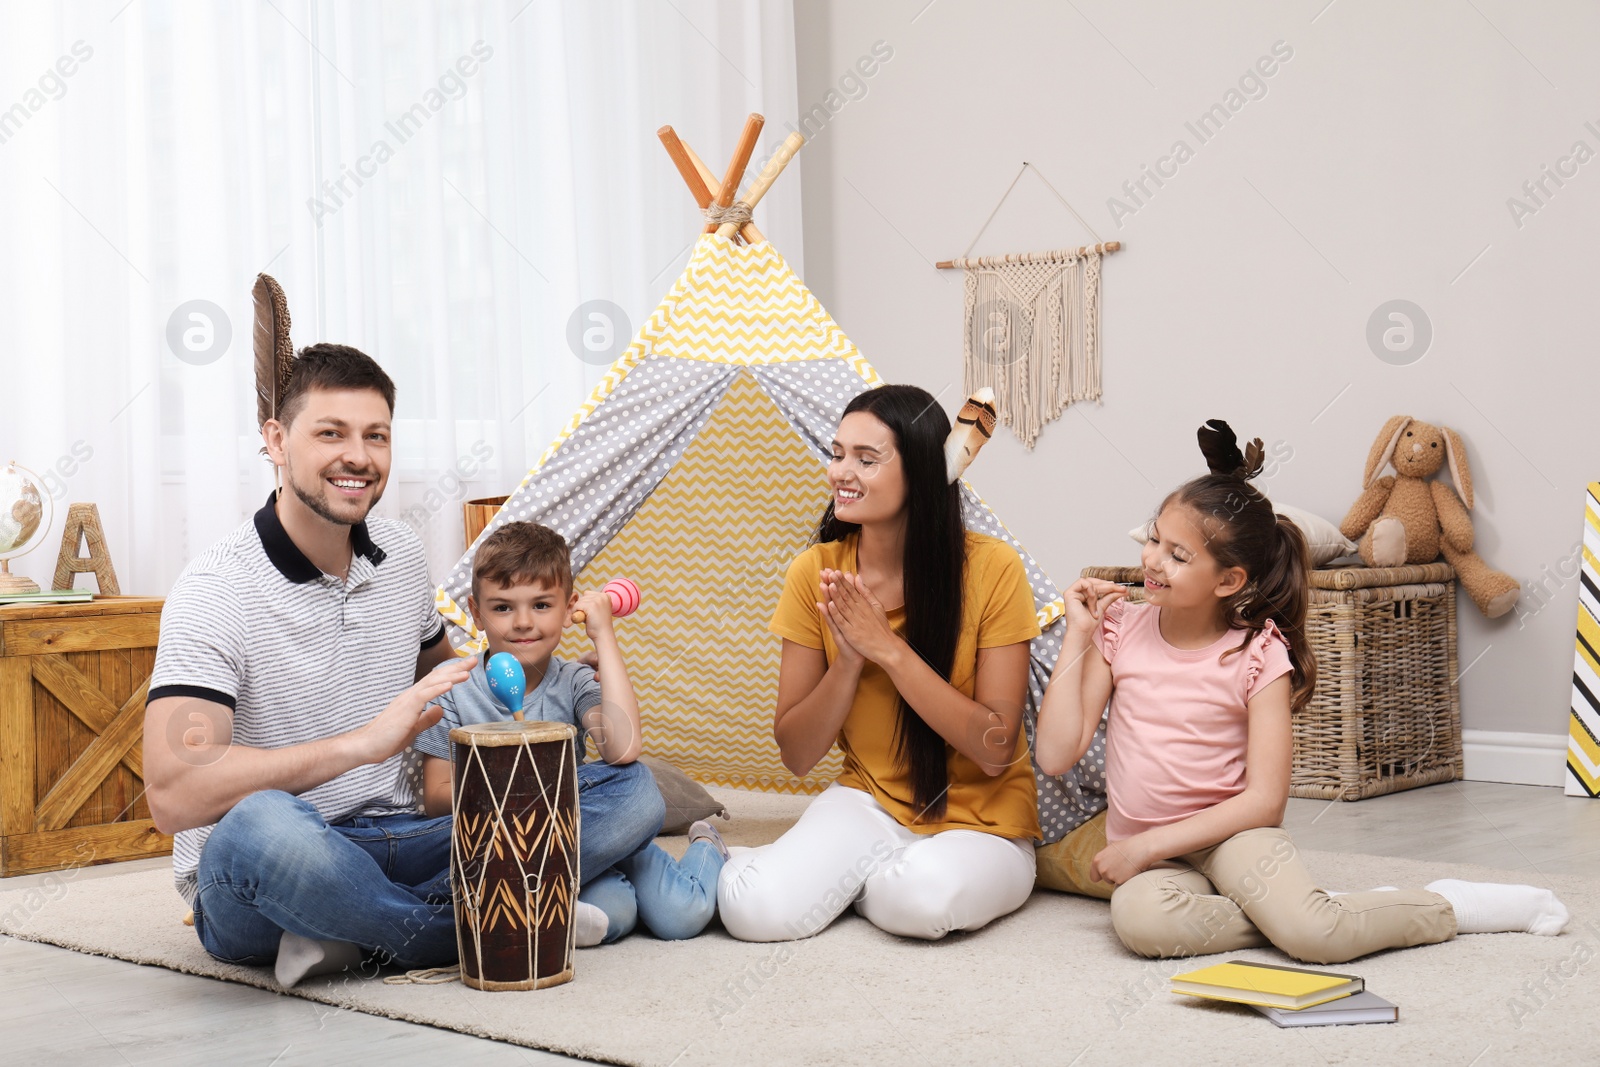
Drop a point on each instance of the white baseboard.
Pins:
(1522, 759)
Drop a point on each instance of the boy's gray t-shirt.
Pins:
(563, 695)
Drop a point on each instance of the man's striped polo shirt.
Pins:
(298, 655)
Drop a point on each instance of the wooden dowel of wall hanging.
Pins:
(680, 158)
(741, 159)
(748, 231)
(1109, 246)
(769, 174)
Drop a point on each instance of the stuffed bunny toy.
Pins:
(1402, 519)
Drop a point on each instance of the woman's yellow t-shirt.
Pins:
(997, 610)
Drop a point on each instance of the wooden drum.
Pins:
(514, 852)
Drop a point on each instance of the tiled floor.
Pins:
(60, 1007)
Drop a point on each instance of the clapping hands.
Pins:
(858, 621)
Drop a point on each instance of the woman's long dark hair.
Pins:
(1242, 530)
(933, 570)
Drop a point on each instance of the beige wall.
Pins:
(1376, 165)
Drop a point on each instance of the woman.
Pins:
(905, 640)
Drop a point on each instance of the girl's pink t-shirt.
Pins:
(1175, 741)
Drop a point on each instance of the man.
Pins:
(297, 661)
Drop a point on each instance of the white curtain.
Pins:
(444, 186)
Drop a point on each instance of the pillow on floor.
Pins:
(1322, 537)
(686, 799)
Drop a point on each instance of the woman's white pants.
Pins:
(846, 849)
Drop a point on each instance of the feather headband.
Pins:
(274, 352)
(1220, 446)
(974, 426)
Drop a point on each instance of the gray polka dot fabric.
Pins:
(812, 395)
(601, 474)
(411, 771)
(1065, 801)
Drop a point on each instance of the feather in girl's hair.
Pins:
(1220, 446)
(1254, 458)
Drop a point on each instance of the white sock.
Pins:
(301, 957)
(1491, 908)
(591, 924)
(1374, 889)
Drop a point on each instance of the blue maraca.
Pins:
(506, 681)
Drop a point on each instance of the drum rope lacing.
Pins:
(425, 976)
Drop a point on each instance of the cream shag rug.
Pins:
(1049, 984)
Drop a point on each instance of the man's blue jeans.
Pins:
(274, 864)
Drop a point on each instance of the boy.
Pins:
(522, 599)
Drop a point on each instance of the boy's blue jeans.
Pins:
(274, 864)
(675, 899)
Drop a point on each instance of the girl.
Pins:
(1202, 679)
(905, 640)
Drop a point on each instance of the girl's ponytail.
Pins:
(1281, 591)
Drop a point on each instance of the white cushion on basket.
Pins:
(1323, 537)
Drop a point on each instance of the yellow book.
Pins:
(1266, 984)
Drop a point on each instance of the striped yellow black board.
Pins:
(709, 549)
(1583, 746)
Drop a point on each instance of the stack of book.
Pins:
(49, 596)
(1289, 996)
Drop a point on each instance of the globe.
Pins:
(24, 521)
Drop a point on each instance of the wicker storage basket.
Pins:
(1386, 714)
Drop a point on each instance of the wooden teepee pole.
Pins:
(704, 186)
(741, 159)
(768, 175)
(691, 176)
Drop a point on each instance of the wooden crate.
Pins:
(1386, 714)
(73, 679)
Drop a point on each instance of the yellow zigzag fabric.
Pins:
(731, 304)
(709, 549)
(1583, 745)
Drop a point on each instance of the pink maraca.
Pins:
(624, 596)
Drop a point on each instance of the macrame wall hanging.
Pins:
(1032, 326)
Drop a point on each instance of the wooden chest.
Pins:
(73, 679)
